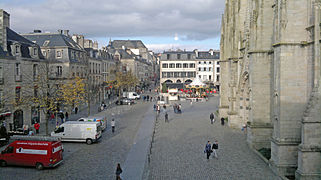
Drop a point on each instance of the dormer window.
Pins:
(17, 49)
(46, 43)
(35, 51)
(58, 54)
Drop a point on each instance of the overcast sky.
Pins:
(160, 24)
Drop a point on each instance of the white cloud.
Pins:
(191, 19)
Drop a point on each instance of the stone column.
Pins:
(309, 154)
(292, 83)
(260, 59)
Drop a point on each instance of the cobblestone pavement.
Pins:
(178, 149)
(96, 161)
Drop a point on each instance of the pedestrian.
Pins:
(179, 108)
(212, 118)
(158, 109)
(62, 116)
(175, 108)
(191, 102)
(118, 172)
(151, 99)
(154, 107)
(208, 150)
(214, 148)
(66, 115)
(222, 121)
(112, 125)
(52, 116)
(166, 117)
(37, 126)
(147, 97)
(76, 110)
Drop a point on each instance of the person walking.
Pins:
(37, 126)
(212, 118)
(222, 121)
(112, 123)
(154, 107)
(214, 148)
(208, 150)
(76, 110)
(118, 172)
(166, 117)
(66, 115)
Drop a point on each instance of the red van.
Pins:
(35, 151)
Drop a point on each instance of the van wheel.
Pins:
(89, 141)
(39, 166)
(3, 163)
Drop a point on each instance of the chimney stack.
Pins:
(66, 32)
(59, 31)
(95, 45)
(4, 24)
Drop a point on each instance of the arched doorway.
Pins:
(168, 81)
(17, 119)
(188, 81)
(178, 81)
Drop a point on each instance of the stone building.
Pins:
(20, 62)
(270, 79)
(183, 67)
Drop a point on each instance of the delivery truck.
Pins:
(38, 151)
(131, 95)
(101, 119)
(78, 131)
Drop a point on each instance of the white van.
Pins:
(131, 95)
(75, 131)
(101, 119)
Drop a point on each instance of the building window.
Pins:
(44, 53)
(35, 50)
(210, 77)
(178, 56)
(192, 65)
(188, 56)
(204, 69)
(217, 69)
(18, 91)
(199, 62)
(171, 65)
(210, 69)
(183, 74)
(204, 62)
(1, 73)
(176, 74)
(218, 78)
(165, 65)
(178, 65)
(164, 74)
(199, 69)
(200, 76)
(17, 49)
(205, 77)
(35, 71)
(58, 54)
(217, 62)
(185, 65)
(59, 70)
(210, 62)
(168, 56)
(17, 69)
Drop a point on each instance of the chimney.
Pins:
(211, 52)
(59, 31)
(95, 45)
(79, 39)
(4, 23)
(66, 32)
(196, 52)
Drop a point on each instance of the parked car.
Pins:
(124, 101)
(101, 119)
(75, 131)
(131, 95)
(38, 151)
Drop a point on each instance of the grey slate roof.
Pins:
(25, 44)
(54, 39)
(207, 55)
(131, 44)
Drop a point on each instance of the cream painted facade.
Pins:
(270, 71)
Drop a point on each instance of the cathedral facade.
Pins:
(270, 80)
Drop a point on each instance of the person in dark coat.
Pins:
(222, 121)
(166, 117)
(118, 172)
(212, 118)
(76, 110)
(208, 150)
(66, 115)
